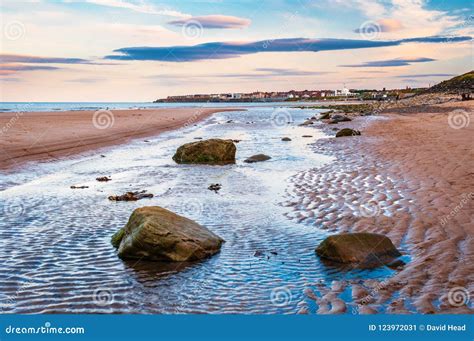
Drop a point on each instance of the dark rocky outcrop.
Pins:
(154, 233)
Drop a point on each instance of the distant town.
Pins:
(294, 95)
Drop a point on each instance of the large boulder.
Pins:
(212, 151)
(154, 233)
(347, 132)
(365, 249)
(257, 158)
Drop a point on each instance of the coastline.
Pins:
(408, 176)
(46, 136)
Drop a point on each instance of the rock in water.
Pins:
(154, 233)
(347, 132)
(131, 196)
(365, 249)
(257, 158)
(286, 139)
(212, 151)
(339, 118)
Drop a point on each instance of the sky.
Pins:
(124, 50)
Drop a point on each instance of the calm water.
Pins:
(64, 106)
(55, 252)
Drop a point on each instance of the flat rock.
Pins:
(286, 139)
(365, 249)
(257, 158)
(212, 151)
(131, 196)
(339, 118)
(154, 233)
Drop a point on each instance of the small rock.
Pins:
(79, 187)
(325, 116)
(307, 136)
(286, 139)
(102, 156)
(103, 179)
(131, 196)
(258, 253)
(347, 132)
(215, 187)
(306, 123)
(257, 158)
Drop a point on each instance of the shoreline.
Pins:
(408, 176)
(48, 136)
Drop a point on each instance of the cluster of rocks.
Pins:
(156, 234)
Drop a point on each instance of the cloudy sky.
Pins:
(124, 50)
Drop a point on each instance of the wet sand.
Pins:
(409, 176)
(41, 136)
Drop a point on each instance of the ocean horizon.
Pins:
(80, 106)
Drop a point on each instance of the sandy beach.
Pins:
(408, 176)
(41, 136)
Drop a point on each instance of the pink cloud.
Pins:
(214, 21)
